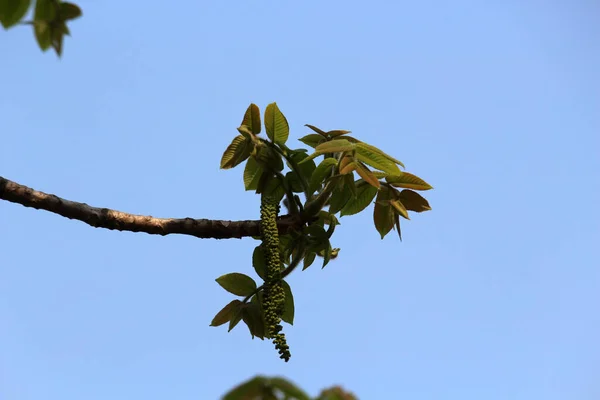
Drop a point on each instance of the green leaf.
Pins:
(69, 11)
(364, 196)
(333, 146)
(407, 180)
(383, 215)
(306, 169)
(253, 318)
(45, 10)
(288, 311)
(252, 119)
(226, 313)
(309, 258)
(12, 11)
(312, 140)
(276, 125)
(375, 159)
(289, 389)
(238, 284)
(237, 152)
(248, 390)
(43, 34)
(252, 174)
(319, 131)
(339, 197)
(397, 225)
(368, 148)
(413, 201)
(275, 189)
(294, 182)
(259, 263)
(322, 171)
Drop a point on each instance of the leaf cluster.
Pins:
(49, 22)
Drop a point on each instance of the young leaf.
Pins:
(383, 215)
(319, 131)
(367, 175)
(290, 390)
(312, 140)
(322, 171)
(226, 313)
(399, 207)
(333, 146)
(258, 262)
(365, 153)
(276, 125)
(407, 180)
(252, 119)
(364, 196)
(252, 174)
(337, 133)
(12, 11)
(238, 151)
(413, 201)
(288, 311)
(367, 147)
(236, 283)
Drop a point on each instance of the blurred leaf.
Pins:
(322, 171)
(319, 131)
(236, 283)
(259, 263)
(289, 389)
(238, 151)
(12, 11)
(69, 11)
(409, 181)
(276, 125)
(288, 312)
(226, 313)
(252, 119)
(367, 155)
(312, 140)
(252, 174)
(364, 196)
(249, 390)
(413, 201)
(383, 215)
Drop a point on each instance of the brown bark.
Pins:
(121, 221)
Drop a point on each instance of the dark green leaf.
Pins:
(322, 171)
(249, 390)
(289, 389)
(383, 214)
(294, 182)
(226, 313)
(339, 198)
(69, 11)
(276, 125)
(413, 201)
(275, 189)
(237, 316)
(12, 11)
(309, 258)
(288, 312)
(253, 318)
(238, 284)
(258, 262)
(364, 196)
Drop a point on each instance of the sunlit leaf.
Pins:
(347, 164)
(413, 201)
(252, 119)
(276, 124)
(367, 175)
(367, 147)
(226, 313)
(237, 152)
(334, 146)
(364, 196)
(407, 180)
(399, 207)
(312, 140)
(236, 283)
(367, 155)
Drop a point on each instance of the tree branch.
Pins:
(117, 220)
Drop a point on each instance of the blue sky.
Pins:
(494, 294)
